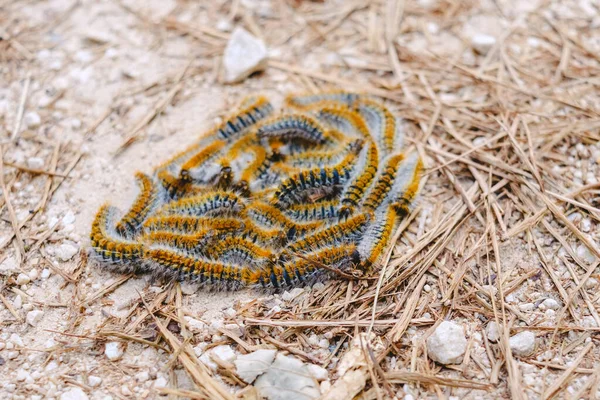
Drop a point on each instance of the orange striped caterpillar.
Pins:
(269, 202)
(291, 190)
(384, 183)
(141, 208)
(189, 224)
(321, 210)
(406, 185)
(384, 125)
(108, 245)
(213, 202)
(316, 101)
(355, 188)
(338, 233)
(377, 236)
(254, 110)
(292, 126)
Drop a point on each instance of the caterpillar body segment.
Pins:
(384, 125)
(253, 111)
(346, 231)
(317, 211)
(385, 181)
(141, 208)
(214, 202)
(355, 188)
(198, 160)
(292, 126)
(188, 224)
(317, 101)
(406, 184)
(108, 245)
(377, 236)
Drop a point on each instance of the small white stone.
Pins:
(27, 307)
(523, 343)
(11, 355)
(34, 317)
(68, 218)
(66, 251)
(33, 274)
(16, 340)
(74, 393)
(9, 265)
(550, 304)
(251, 365)
(18, 302)
(447, 344)
(45, 273)
(317, 372)
(22, 375)
(142, 376)
(32, 119)
(584, 253)
(195, 325)
(526, 307)
(224, 352)
(94, 381)
(244, 55)
(289, 296)
(35, 163)
(126, 391)
(160, 382)
(189, 288)
(492, 331)
(23, 279)
(113, 350)
(482, 43)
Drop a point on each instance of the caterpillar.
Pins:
(141, 208)
(385, 126)
(269, 199)
(315, 101)
(384, 182)
(355, 188)
(292, 126)
(213, 202)
(106, 243)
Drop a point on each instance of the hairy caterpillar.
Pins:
(270, 200)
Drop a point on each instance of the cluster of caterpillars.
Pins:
(270, 198)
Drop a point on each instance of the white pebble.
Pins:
(584, 253)
(142, 376)
(244, 55)
(447, 344)
(22, 375)
(94, 381)
(33, 274)
(317, 372)
(74, 393)
(32, 119)
(18, 302)
(550, 304)
(289, 296)
(482, 43)
(34, 317)
(251, 365)
(35, 163)
(492, 331)
(23, 279)
(523, 343)
(189, 288)
(45, 273)
(16, 340)
(113, 350)
(66, 251)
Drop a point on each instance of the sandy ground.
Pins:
(78, 78)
